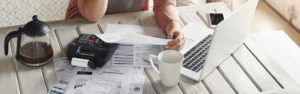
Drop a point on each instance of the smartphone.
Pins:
(215, 19)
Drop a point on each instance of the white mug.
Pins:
(169, 62)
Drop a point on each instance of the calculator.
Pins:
(92, 49)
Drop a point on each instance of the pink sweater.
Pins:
(164, 11)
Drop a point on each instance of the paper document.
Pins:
(133, 34)
(132, 38)
(107, 85)
(105, 80)
(123, 55)
(145, 30)
(134, 55)
(65, 74)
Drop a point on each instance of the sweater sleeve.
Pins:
(78, 8)
(165, 11)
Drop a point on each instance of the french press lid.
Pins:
(36, 27)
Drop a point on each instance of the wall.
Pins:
(16, 12)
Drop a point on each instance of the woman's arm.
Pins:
(165, 12)
(92, 10)
(97, 7)
(167, 17)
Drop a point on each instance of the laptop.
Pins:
(202, 54)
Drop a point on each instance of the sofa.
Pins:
(289, 9)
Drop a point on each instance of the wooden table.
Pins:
(248, 70)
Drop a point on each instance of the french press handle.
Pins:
(11, 35)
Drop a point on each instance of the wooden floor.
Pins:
(267, 19)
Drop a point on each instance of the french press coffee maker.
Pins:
(33, 43)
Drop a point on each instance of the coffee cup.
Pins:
(170, 62)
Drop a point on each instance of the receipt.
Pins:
(145, 30)
(133, 34)
(132, 38)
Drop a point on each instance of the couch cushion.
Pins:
(289, 9)
(296, 18)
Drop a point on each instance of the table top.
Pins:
(248, 70)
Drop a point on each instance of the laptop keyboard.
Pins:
(195, 57)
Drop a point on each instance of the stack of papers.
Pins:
(123, 74)
(106, 80)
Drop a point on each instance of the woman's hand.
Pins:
(173, 31)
